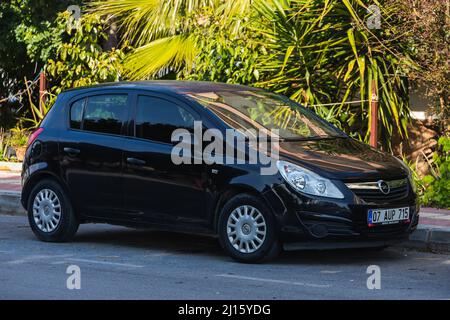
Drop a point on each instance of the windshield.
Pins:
(253, 110)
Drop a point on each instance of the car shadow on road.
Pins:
(180, 243)
(340, 256)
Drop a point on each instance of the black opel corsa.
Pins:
(103, 154)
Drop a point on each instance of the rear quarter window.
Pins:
(101, 113)
(76, 114)
(105, 113)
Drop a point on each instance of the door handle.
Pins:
(72, 151)
(136, 162)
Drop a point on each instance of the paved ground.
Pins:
(123, 263)
(10, 181)
(436, 217)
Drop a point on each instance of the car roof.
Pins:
(169, 86)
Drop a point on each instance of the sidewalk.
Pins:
(433, 232)
(10, 187)
(436, 217)
(10, 181)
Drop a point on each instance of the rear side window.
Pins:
(105, 113)
(157, 118)
(76, 114)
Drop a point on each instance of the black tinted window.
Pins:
(105, 113)
(156, 119)
(76, 114)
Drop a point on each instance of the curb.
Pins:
(10, 166)
(10, 203)
(430, 238)
(426, 237)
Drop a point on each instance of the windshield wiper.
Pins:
(312, 138)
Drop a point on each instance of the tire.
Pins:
(246, 225)
(50, 213)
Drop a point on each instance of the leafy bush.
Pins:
(19, 137)
(437, 184)
(80, 59)
(13, 142)
(226, 60)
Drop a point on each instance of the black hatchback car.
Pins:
(106, 154)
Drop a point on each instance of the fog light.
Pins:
(319, 230)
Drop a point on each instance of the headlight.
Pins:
(306, 181)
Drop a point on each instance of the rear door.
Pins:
(156, 188)
(91, 153)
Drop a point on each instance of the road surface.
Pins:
(121, 263)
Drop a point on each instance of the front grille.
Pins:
(370, 191)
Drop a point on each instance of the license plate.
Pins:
(387, 216)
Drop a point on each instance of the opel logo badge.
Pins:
(383, 186)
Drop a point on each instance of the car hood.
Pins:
(342, 158)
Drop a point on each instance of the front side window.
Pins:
(105, 113)
(157, 118)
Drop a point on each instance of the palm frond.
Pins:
(171, 52)
(143, 21)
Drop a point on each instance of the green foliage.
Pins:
(168, 35)
(38, 114)
(437, 184)
(25, 43)
(426, 29)
(40, 44)
(322, 52)
(80, 60)
(15, 138)
(19, 136)
(3, 144)
(234, 61)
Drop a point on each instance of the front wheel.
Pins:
(247, 230)
(50, 213)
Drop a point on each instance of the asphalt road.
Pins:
(121, 263)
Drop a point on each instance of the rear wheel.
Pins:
(50, 213)
(247, 230)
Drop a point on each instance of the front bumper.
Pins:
(336, 222)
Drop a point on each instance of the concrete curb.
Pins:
(430, 238)
(426, 237)
(10, 166)
(10, 203)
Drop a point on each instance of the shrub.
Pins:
(437, 183)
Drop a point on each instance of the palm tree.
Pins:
(165, 33)
(323, 52)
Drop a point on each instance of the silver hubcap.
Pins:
(246, 229)
(47, 210)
